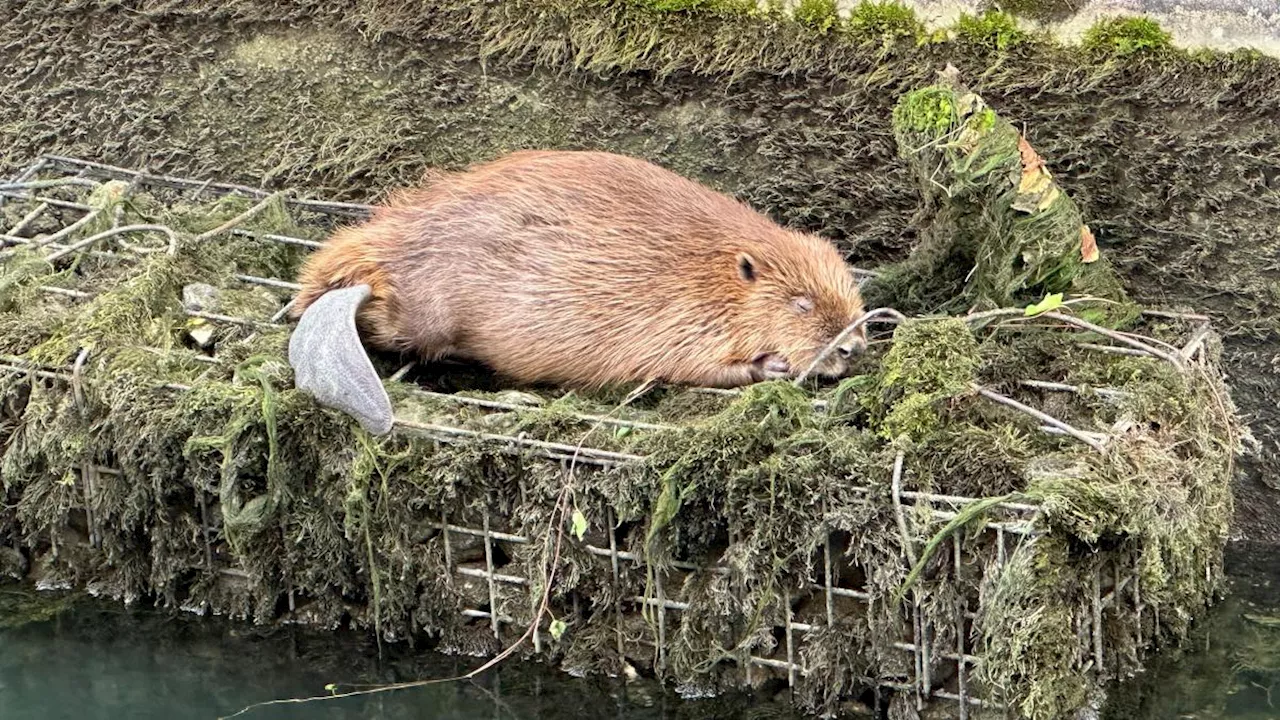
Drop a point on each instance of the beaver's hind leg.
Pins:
(330, 363)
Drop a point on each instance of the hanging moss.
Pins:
(1000, 230)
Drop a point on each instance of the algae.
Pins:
(997, 229)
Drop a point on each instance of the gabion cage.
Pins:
(936, 663)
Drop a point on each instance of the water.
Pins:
(95, 660)
(88, 659)
(1230, 667)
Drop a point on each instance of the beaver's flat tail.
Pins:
(330, 364)
(341, 282)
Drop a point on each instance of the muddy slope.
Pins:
(1174, 158)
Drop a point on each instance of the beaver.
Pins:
(576, 268)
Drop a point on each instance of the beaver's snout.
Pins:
(855, 345)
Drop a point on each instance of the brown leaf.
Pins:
(1088, 246)
(1031, 160)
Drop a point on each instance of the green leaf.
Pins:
(332, 688)
(1049, 303)
(621, 431)
(579, 524)
(557, 628)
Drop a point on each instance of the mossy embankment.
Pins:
(1168, 154)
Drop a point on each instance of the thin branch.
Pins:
(244, 216)
(173, 239)
(849, 329)
(1041, 416)
(1084, 325)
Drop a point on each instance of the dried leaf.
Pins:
(1088, 245)
(1034, 182)
(1031, 160)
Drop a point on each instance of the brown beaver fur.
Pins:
(589, 268)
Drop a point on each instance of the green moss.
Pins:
(991, 29)
(820, 15)
(930, 361)
(21, 269)
(138, 309)
(931, 110)
(886, 21)
(1126, 36)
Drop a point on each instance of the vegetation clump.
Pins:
(821, 15)
(1127, 36)
(993, 29)
(998, 229)
(885, 20)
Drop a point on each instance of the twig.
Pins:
(66, 231)
(1041, 416)
(1115, 350)
(1119, 337)
(1177, 315)
(1189, 350)
(173, 239)
(56, 182)
(246, 215)
(908, 546)
(1063, 387)
(848, 330)
(1084, 325)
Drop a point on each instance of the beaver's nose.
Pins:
(853, 346)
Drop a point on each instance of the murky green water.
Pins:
(1230, 668)
(91, 660)
(86, 659)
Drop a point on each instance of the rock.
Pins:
(200, 297)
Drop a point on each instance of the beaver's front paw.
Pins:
(770, 367)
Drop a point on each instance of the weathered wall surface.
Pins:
(1173, 157)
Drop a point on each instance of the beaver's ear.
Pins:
(747, 268)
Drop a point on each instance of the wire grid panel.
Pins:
(930, 672)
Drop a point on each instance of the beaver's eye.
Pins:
(802, 305)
